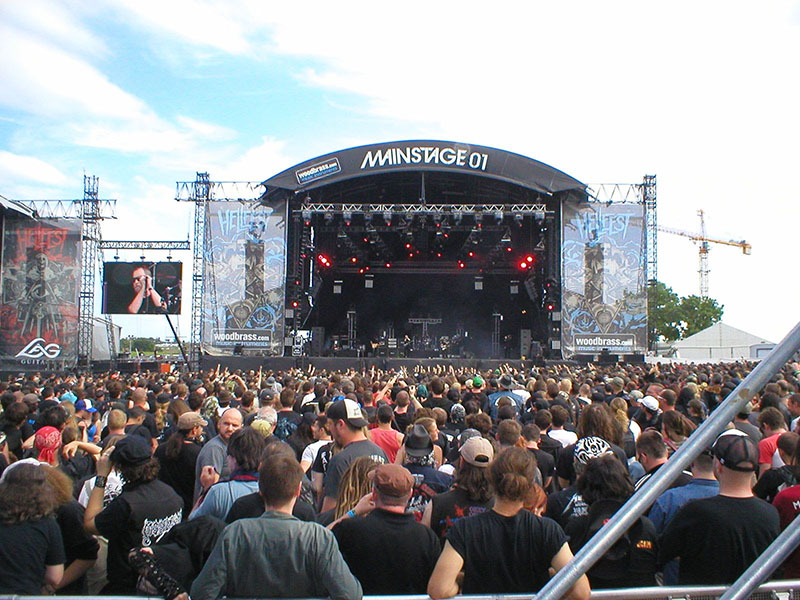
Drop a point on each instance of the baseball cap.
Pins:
(477, 381)
(69, 396)
(189, 420)
(477, 451)
(85, 405)
(131, 450)
(392, 480)
(347, 410)
(418, 442)
(590, 447)
(650, 403)
(736, 451)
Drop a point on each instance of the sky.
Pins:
(143, 94)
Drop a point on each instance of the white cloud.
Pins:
(29, 169)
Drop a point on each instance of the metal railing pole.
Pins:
(765, 564)
(705, 435)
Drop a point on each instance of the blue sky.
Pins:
(143, 94)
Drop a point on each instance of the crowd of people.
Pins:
(437, 480)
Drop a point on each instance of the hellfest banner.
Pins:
(244, 273)
(41, 274)
(604, 282)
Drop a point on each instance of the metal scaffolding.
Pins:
(90, 245)
(133, 245)
(200, 191)
(651, 228)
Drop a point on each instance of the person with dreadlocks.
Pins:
(354, 485)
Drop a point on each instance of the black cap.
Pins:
(131, 450)
(736, 451)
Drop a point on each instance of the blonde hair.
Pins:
(620, 408)
(354, 485)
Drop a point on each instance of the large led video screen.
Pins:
(142, 288)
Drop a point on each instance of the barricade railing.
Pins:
(774, 590)
(640, 502)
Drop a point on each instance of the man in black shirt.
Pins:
(717, 538)
(363, 541)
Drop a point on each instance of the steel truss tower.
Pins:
(200, 191)
(90, 246)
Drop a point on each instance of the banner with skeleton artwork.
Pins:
(604, 286)
(41, 276)
(244, 272)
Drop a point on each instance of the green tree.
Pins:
(672, 317)
(699, 313)
(664, 313)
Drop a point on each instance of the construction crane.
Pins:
(703, 240)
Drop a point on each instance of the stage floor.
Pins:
(342, 363)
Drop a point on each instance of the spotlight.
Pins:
(538, 216)
(328, 218)
(518, 218)
(499, 215)
(324, 261)
(307, 217)
(387, 216)
(348, 217)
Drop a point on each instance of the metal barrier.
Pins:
(774, 590)
(639, 503)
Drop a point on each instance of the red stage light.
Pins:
(408, 246)
(353, 260)
(529, 259)
(471, 254)
(523, 265)
(438, 255)
(551, 307)
(295, 304)
(361, 271)
(410, 255)
(324, 260)
(460, 264)
(388, 265)
(509, 249)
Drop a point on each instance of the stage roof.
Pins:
(422, 156)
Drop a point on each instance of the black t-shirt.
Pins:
(630, 562)
(369, 545)
(545, 461)
(718, 538)
(566, 504)
(773, 481)
(78, 545)
(288, 420)
(506, 555)
(25, 550)
(139, 516)
(452, 506)
(252, 505)
(179, 473)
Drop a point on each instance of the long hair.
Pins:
(676, 426)
(604, 478)
(25, 494)
(61, 484)
(475, 481)
(596, 420)
(174, 444)
(354, 484)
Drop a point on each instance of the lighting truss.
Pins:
(141, 245)
(421, 209)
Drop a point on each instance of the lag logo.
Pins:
(37, 348)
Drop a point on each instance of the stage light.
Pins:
(550, 307)
(410, 255)
(461, 264)
(438, 255)
(348, 217)
(408, 245)
(538, 216)
(471, 254)
(519, 218)
(295, 304)
(529, 259)
(307, 217)
(388, 265)
(499, 215)
(387, 216)
(457, 217)
(523, 265)
(324, 261)
(353, 259)
(329, 218)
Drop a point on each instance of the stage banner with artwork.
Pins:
(244, 275)
(604, 284)
(41, 273)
